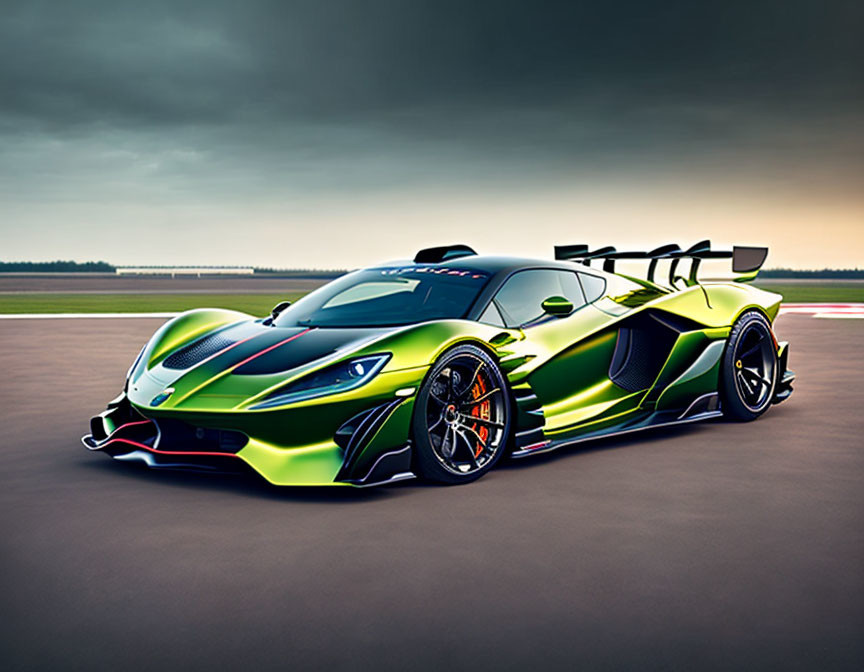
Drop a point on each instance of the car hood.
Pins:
(230, 363)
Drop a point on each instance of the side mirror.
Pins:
(557, 305)
(278, 308)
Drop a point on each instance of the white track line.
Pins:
(67, 316)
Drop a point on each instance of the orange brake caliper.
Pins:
(480, 410)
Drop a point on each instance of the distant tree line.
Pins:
(56, 267)
(315, 273)
(105, 267)
(824, 274)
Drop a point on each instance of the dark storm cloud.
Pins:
(162, 63)
(370, 121)
(289, 97)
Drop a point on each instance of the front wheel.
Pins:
(461, 417)
(749, 368)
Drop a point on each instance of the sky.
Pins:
(334, 134)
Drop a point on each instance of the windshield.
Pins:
(387, 297)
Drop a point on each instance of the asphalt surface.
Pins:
(720, 546)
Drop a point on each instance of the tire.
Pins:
(462, 417)
(749, 369)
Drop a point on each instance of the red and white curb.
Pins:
(825, 310)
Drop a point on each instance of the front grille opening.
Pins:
(179, 435)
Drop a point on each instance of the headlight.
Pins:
(330, 380)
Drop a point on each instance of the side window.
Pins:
(593, 285)
(492, 316)
(519, 300)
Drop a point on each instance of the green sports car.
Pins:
(439, 367)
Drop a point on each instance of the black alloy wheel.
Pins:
(749, 373)
(461, 417)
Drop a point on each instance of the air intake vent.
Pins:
(180, 436)
(196, 352)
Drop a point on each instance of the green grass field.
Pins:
(255, 304)
(260, 304)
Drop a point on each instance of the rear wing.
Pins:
(745, 260)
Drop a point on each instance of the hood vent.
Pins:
(196, 352)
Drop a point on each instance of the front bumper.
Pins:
(125, 434)
(367, 458)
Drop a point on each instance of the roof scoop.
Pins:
(435, 255)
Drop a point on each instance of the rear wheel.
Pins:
(461, 417)
(749, 368)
